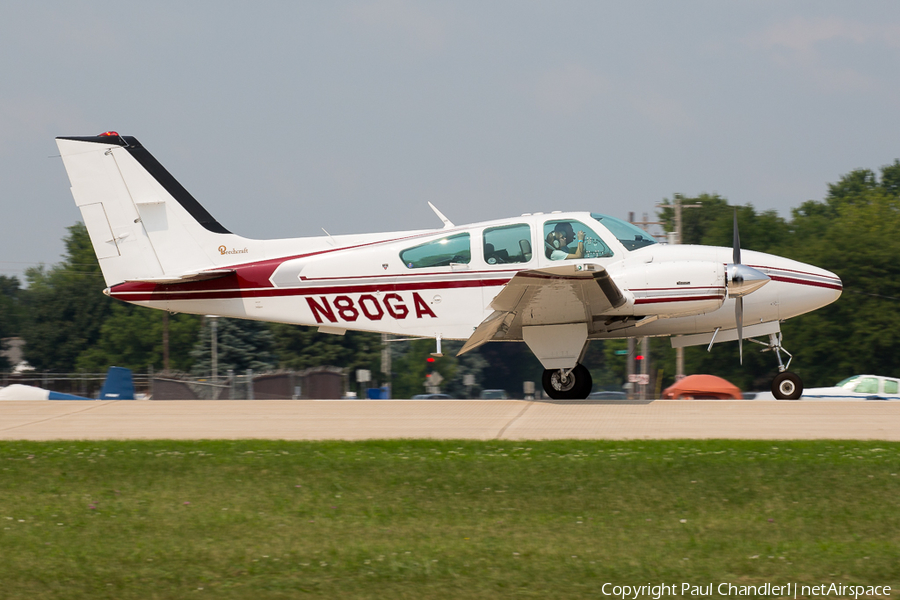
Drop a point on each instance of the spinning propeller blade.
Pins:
(741, 280)
(739, 301)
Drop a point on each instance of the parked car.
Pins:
(432, 397)
(494, 395)
(871, 387)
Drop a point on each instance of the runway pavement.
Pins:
(447, 419)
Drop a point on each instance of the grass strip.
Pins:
(441, 519)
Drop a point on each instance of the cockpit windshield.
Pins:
(631, 236)
(849, 383)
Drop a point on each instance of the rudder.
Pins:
(143, 224)
(119, 385)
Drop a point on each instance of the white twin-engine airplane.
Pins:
(555, 281)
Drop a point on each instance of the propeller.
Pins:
(740, 281)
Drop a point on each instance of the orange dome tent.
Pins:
(702, 387)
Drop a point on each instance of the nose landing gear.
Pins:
(567, 384)
(786, 385)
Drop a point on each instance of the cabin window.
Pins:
(868, 385)
(509, 244)
(629, 235)
(450, 250)
(890, 386)
(561, 241)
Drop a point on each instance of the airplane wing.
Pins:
(571, 293)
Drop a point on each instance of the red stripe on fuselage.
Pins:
(678, 289)
(823, 284)
(681, 299)
(252, 280)
(763, 267)
(226, 293)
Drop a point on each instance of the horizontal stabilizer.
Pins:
(201, 276)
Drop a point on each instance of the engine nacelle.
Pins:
(670, 289)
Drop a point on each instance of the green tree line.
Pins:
(851, 232)
(70, 326)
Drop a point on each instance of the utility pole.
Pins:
(214, 334)
(679, 227)
(645, 341)
(629, 369)
(645, 224)
(165, 341)
(386, 363)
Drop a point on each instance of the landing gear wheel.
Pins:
(787, 386)
(576, 386)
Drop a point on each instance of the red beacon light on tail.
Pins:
(109, 134)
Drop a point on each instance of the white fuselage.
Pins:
(365, 283)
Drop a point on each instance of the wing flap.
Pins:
(485, 332)
(571, 293)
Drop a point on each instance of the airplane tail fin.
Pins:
(119, 385)
(143, 224)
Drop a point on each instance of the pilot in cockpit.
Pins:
(557, 242)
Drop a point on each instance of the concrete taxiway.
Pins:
(449, 419)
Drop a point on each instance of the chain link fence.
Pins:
(315, 383)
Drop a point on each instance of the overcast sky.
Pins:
(285, 117)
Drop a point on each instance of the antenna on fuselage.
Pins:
(447, 223)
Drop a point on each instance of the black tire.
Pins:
(587, 385)
(576, 387)
(787, 386)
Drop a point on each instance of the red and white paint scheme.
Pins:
(555, 280)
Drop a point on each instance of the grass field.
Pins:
(429, 519)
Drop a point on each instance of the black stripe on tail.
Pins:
(161, 175)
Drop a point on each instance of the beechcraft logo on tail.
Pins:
(224, 250)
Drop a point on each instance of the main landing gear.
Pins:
(786, 385)
(561, 348)
(567, 384)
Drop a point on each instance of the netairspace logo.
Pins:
(789, 590)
